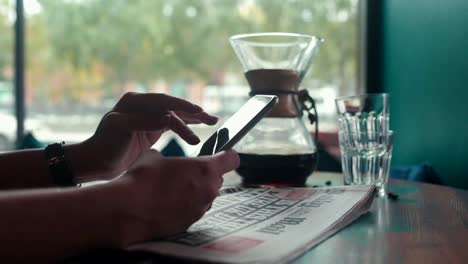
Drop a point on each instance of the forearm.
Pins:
(46, 225)
(29, 169)
(24, 169)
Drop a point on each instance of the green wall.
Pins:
(425, 70)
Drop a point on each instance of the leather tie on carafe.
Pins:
(307, 104)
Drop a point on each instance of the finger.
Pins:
(180, 128)
(223, 161)
(208, 207)
(138, 122)
(227, 160)
(154, 103)
(133, 122)
(197, 118)
(218, 183)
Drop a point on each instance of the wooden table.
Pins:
(426, 224)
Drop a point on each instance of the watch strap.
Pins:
(59, 168)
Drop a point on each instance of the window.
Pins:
(82, 55)
(7, 118)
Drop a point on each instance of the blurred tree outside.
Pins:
(83, 54)
(6, 40)
(6, 57)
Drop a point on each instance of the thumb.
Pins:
(225, 161)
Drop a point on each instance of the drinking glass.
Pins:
(366, 142)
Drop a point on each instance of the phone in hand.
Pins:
(238, 124)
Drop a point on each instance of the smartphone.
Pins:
(238, 125)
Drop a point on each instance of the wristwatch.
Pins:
(59, 168)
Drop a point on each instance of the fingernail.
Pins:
(166, 118)
(194, 138)
(211, 118)
(210, 115)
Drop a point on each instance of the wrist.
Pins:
(86, 163)
(126, 219)
(105, 203)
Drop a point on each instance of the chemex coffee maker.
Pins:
(278, 151)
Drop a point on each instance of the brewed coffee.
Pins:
(276, 170)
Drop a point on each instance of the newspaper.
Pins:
(266, 225)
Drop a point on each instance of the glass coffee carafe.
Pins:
(278, 151)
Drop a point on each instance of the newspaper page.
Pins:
(266, 225)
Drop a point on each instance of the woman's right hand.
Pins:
(162, 196)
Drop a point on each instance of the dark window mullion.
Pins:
(373, 46)
(19, 72)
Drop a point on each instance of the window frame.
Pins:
(19, 71)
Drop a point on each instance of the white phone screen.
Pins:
(238, 124)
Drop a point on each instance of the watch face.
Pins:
(54, 150)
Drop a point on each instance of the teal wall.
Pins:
(425, 70)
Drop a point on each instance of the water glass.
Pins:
(365, 158)
(365, 139)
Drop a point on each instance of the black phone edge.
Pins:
(265, 111)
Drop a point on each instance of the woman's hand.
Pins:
(132, 126)
(156, 197)
(162, 196)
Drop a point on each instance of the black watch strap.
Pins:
(59, 168)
